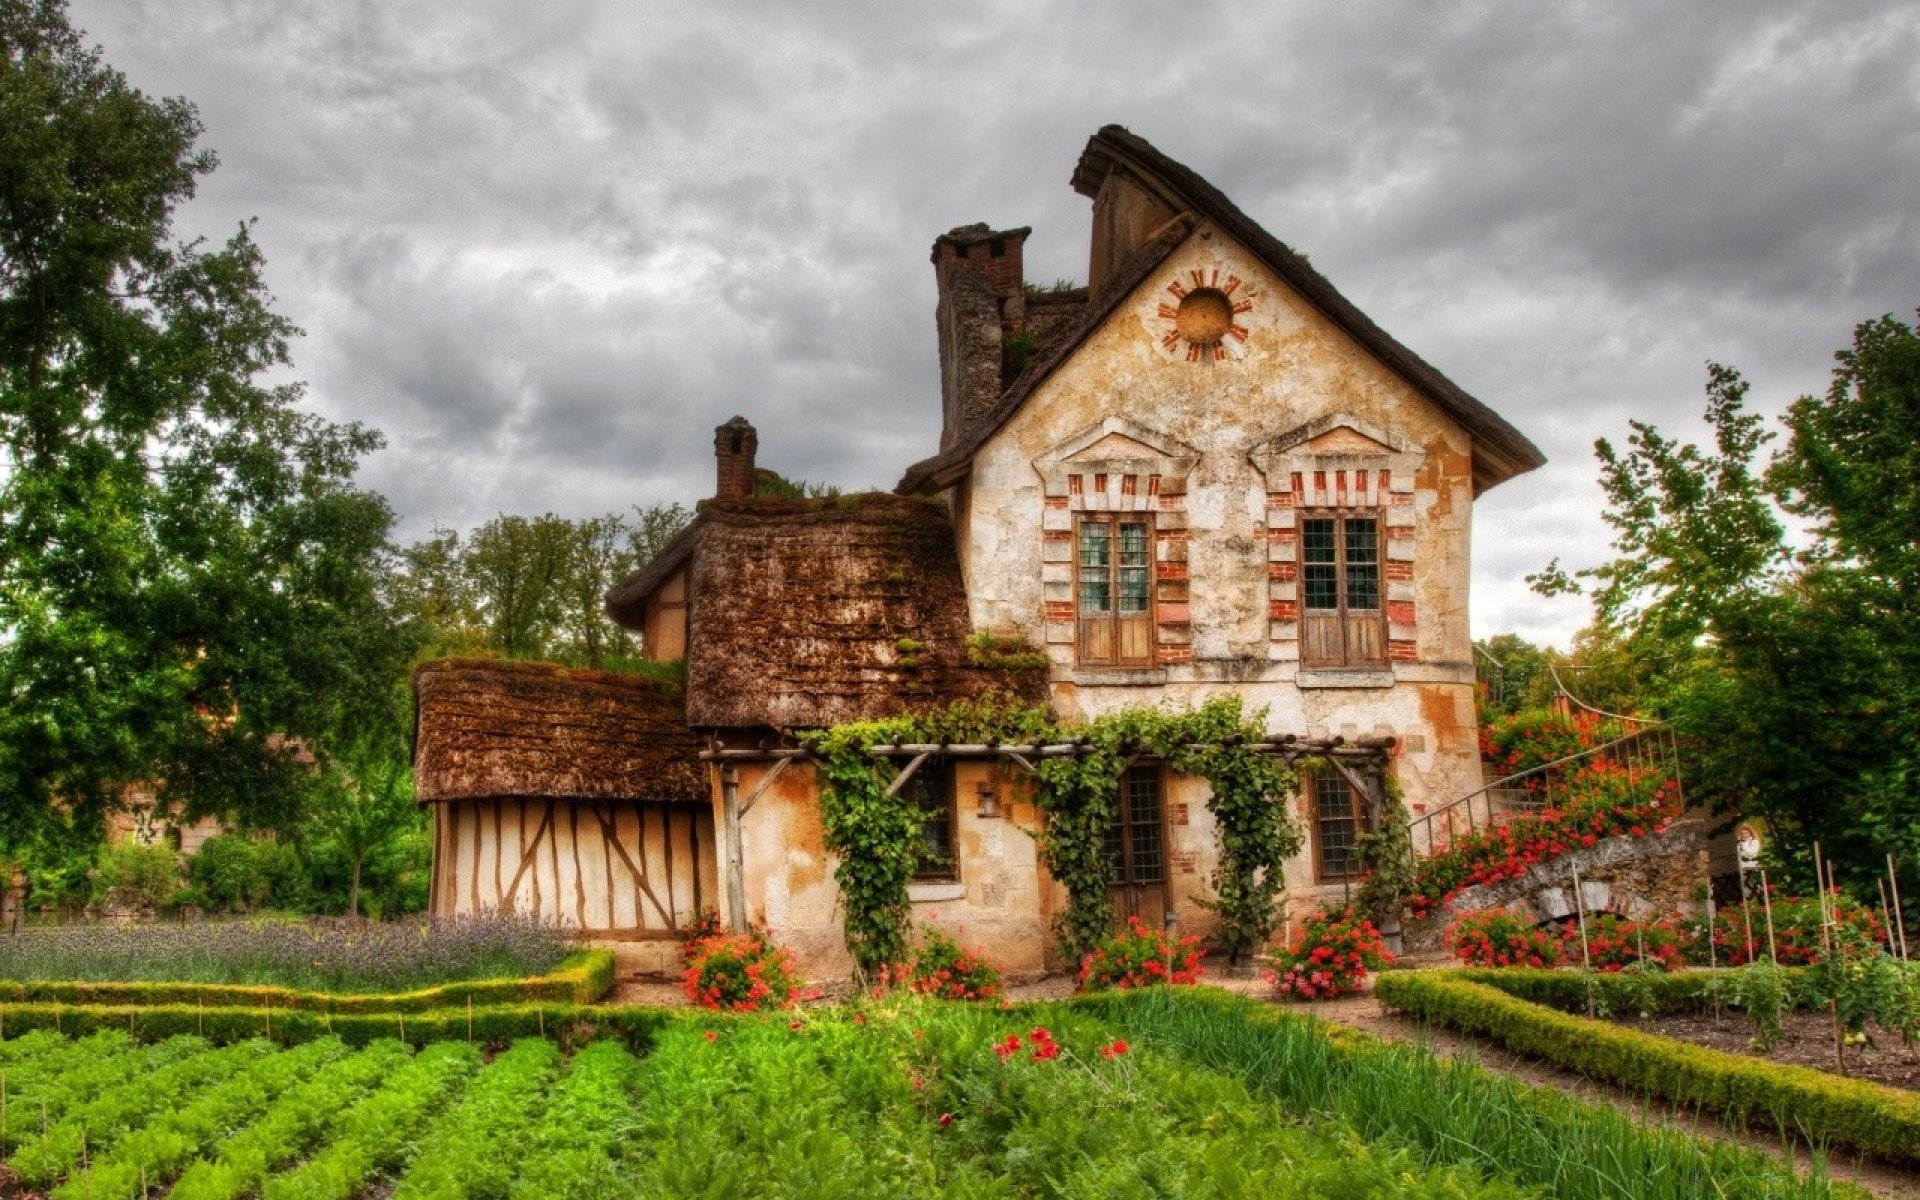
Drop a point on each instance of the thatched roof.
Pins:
(1499, 450)
(484, 727)
(809, 613)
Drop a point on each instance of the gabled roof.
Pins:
(626, 600)
(486, 727)
(1499, 450)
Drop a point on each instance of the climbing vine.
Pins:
(875, 835)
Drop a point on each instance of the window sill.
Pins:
(1344, 677)
(933, 892)
(1119, 676)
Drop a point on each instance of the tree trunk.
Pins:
(353, 890)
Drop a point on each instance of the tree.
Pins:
(365, 800)
(1794, 672)
(187, 571)
(531, 587)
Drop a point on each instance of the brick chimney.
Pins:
(733, 447)
(982, 301)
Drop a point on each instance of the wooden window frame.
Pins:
(1124, 822)
(1361, 811)
(1345, 616)
(1112, 521)
(937, 775)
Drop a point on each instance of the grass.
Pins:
(1149, 1094)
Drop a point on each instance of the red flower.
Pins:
(946, 1118)
(712, 1036)
(1114, 1050)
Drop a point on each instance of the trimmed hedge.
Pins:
(1688, 991)
(569, 1023)
(583, 977)
(1799, 1101)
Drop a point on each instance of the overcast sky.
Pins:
(546, 247)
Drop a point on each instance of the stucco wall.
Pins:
(1217, 428)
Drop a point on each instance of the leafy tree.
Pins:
(365, 802)
(1794, 671)
(187, 571)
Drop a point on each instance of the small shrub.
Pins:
(1140, 957)
(742, 973)
(1497, 938)
(951, 973)
(1331, 956)
(137, 874)
(1614, 943)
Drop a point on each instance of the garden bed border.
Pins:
(1804, 1103)
(583, 977)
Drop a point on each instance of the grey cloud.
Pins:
(548, 247)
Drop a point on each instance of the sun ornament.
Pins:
(1202, 315)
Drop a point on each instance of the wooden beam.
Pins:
(610, 830)
(734, 865)
(906, 773)
(526, 860)
(766, 781)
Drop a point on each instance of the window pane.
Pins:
(931, 791)
(1096, 580)
(1334, 825)
(1142, 799)
(1319, 574)
(1363, 563)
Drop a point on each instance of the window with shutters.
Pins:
(1342, 619)
(1114, 589)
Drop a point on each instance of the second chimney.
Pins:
(733, 446)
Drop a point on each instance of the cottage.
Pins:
(1206, 472)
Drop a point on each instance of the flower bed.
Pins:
(1497, 938)
(1605, 800)
(1141, 956)
(1330, 956)
(311, 956)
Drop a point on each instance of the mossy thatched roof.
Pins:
(486, 727)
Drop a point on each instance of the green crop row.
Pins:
(583, 978)
(40, 1099)
(472, 1149)
(374, 1135)
(1653, 993)
(1803, 1103)
(289, 1126)
(117, 1110)
(163, 1148)
(569, 1151)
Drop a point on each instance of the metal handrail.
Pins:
(1427, 822)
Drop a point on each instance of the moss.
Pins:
(1003, 652)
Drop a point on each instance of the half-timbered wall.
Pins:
(614, 869)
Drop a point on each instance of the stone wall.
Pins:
(1652, 876)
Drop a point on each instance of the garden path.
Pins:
(1365, 1013)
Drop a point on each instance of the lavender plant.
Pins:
(307, 955)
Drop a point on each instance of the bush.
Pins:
(1497, 938)
(741, 973)
(945, 970)
(241, 874)
(1616, 942)
(1331, 956)
(1802, 1102)
(137, 874)
(705, 926)
(1535, 737)
(1140, 957)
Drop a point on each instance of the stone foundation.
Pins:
(1650, 876)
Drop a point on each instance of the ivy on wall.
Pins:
(875, 835)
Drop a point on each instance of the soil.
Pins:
(1808, 1042)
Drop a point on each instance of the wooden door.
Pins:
(1137, 848)
(1341, 610)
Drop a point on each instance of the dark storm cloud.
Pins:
(547, 247)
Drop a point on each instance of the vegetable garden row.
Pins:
(1153, 1092)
